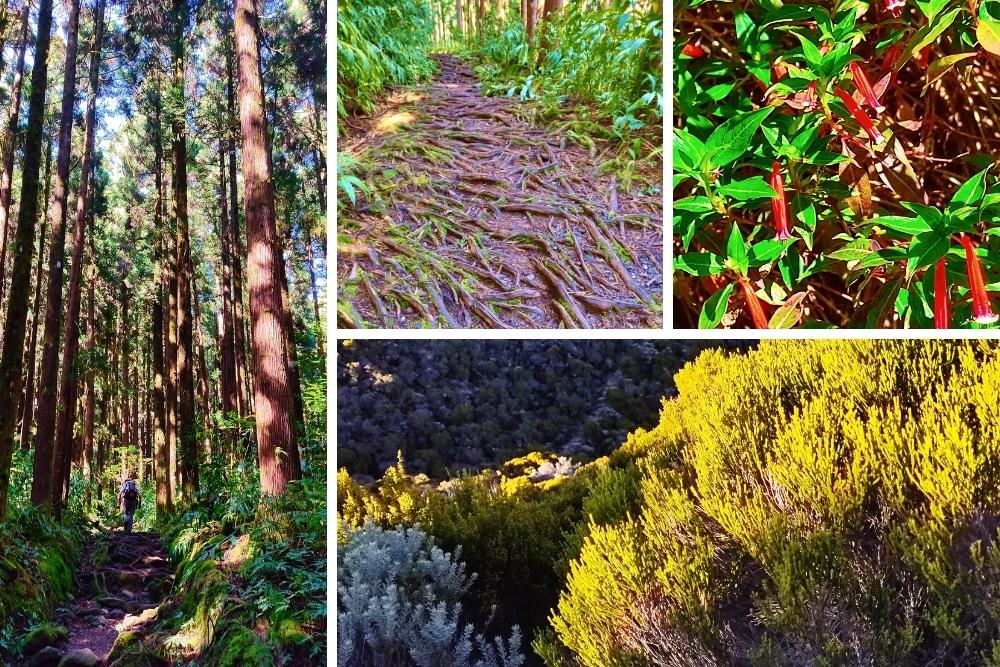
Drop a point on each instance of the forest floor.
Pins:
(476, 218)
(121, 593)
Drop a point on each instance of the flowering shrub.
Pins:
(833, 503)
(835, 164)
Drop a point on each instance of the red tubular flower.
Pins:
(753, 305)
(779, 207)
(778, 70)
(865, 88)
(982, 312)
(859, 115)
(891, 55)
(924, 59)
(942, 304)
(692, 50)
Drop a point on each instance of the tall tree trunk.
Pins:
(161, 470)
(227, 333)
(41, 483)
(273, 403)
(239, 323)
(28, 412)
(9, 145)
(187, 430)
(311, 266)
(458, 18)
(203, 391)
(529, 19)
(67, 391)
(88, 401)
(17, 305)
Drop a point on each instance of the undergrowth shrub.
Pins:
(607, 56)
(831, 503)
(399, 603)
(37, 556)
(379, 43)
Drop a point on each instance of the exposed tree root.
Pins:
(477, 219)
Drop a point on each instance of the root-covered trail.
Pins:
(476, 218)
(120, 594)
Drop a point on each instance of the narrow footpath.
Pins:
(475, 217)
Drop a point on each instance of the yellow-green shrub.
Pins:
(810, 503)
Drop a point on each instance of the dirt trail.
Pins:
(121, 594)
(479, 219)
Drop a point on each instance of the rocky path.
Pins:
(121, 582)
(476, 218)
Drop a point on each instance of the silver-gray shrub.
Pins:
(399, 604)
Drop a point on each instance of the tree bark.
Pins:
(9, 145)
(28, 400)
(227, 333)
(187, 430)
(273, 404)
(458, 18)
(41, 483)
(161, 470)
(529, 19)
(239, 320)
(67, 393)
(88, 401)
(17, 305)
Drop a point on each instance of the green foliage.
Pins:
(829, 72)
(37, 555)
(379, 43)
(606, 56)
(830, 503)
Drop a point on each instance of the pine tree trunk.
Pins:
(164, 498)
(9, 145)
(28, 399)
(88, 401)
(187, 431)
(239, 320)
(458, 18)
(203, 392)
(310, 265)
(273, 402)
(227, 342)
(67, 394)
(41, 483)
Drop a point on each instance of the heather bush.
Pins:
(805, 503)
(399, 603)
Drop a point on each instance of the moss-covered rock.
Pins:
(129, 650)
(44, 635)
(288, 633)
(80, 658)
(238, 646)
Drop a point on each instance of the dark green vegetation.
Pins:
(536, 207)
(802, 503)
(455, 405)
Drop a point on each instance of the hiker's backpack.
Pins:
(131, 490)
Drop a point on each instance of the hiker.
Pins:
(130, 494)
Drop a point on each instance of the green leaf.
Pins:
(767, 250)
(926, 249)
(850, 254)
(971, 192)
(928, 214)
(988, 34)
(750, 188)
(898, 223)
(715, 308)
(789, 314)
(810, 51)
(940, 67)
(928, 34)
(689, 151)
(700, 263)
(736, 249)
(731, 139)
